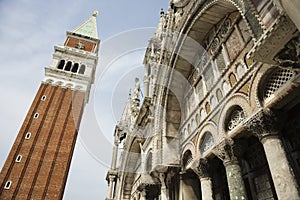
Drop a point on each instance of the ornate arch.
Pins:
(208, 127)
(235, 101)
(189, 146)
(260, 76)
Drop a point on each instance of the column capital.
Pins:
(201, 168)
(229, 150)
(264, 123)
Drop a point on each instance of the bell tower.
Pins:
(38, 163)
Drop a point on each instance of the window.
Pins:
(19, 158)
(68, 66)
(36, 115)
(27, 136)
(61, 64)
(75, 68)
(7, 185)
(82, 69)
(43, 98)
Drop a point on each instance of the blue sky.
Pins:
(28, 32)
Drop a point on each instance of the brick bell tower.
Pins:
(38, 163)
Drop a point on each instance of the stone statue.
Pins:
(137, 89)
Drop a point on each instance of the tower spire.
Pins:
(89, 27)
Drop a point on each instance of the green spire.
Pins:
(89, 27)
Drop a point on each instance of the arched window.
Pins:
(276, 80)
(27, 136)
(82, 69)
(68, 66)
(75, 68)
(207, 142)
(19, 158)
(235, 118)
(187, 159)
(61, 64)
(7, 185)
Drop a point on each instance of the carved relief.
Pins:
(236, 117)
(201, 168)
(289, 56)
(228, 150)
(263, 124)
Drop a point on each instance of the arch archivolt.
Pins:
(236, 100)
(190, 146)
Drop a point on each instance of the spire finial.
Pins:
(96, 12)
(162, 12)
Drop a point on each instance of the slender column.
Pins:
(265, 125)
(227, 151)
(110, 187)
(225, 55)
(164, 190)
(180, 186)
(206, 184)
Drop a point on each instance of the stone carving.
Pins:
(263, 124)
(225, 27)
(289, 56)
(201, 168)
(215, 44)
(137, 89)
(229, 150)
(237, 116)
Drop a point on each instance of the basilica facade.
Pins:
(220, 116)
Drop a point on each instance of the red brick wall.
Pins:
(88, 46)
(46, 156)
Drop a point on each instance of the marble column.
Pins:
(110, 187)
(266, 125)
(206, 184)
(164, 191)
(228, 151)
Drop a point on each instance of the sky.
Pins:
(28, 32)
